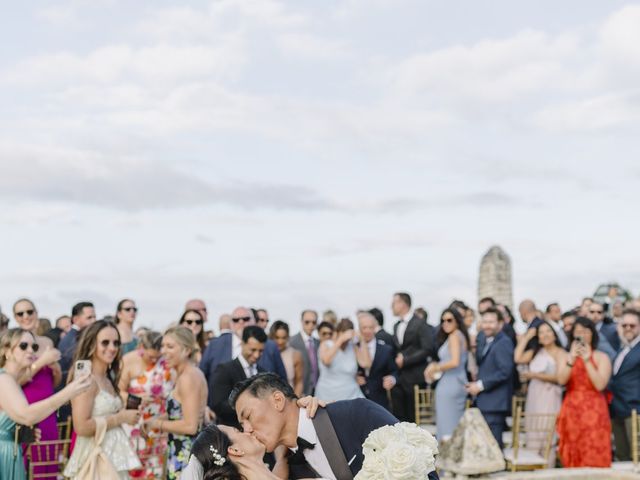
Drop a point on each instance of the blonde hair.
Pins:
(186, 339)
(9, 340)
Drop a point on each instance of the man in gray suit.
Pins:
(308, 346)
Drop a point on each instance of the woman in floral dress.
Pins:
(146, 375)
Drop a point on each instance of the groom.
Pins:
(327, 446)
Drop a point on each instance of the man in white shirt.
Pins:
(554, 317)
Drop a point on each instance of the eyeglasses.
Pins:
(28, 313)
(310, 322)
(448, 320)
(628, 325)
(130, 309)
(105, 343)
(239, 319)
(596, 311)
(328, 333)
(191, 322)
(24, 345)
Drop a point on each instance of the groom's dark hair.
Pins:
(261, 385)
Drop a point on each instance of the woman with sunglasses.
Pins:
(126, 313)
(193, 320)
(17, 353)
(100, 343)
(146, 375)
(451, 372)
(39, 381)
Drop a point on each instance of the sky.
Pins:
(303, 154)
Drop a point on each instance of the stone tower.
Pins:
(495, 277)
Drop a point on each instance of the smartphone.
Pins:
(25, 434)
(580, 340)
(133, 402)
(82, 368)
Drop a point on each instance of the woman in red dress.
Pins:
(583, 426)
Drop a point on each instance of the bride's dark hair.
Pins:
(212, 438)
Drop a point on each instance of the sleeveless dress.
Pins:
(11, 467)
(287, 359)
(338, 380)
(154, 385)
(129, 346)
(40, 388)
(115, 444)
(542, 397)
(584, 426)
(179, 445)
(451, 396)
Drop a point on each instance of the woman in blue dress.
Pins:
(450, 372)
(339, 359)
(18, 349)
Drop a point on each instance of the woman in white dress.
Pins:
(100, 343)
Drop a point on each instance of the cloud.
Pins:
(129, 183)
(471, 200)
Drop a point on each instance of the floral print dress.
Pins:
(179, 445)
(154, 385)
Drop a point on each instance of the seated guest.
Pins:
(339, 360)
(17, 349)
(186, 404)
(625, 384)
(229, 373)
(451, 396)
(225, 348)
(292, 358)
(494, 387)
(376, 381)
(583, 425)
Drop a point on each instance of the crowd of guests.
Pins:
(147, 394)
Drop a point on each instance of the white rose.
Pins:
(419, 437)
(402, 463)
(372, 468)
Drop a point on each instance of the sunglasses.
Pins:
(130, 309)
(191, 322)
(326, 334)
(448, 320)
(596, 311)
(310, 322)
(28, 313)
(628, 325)
(105, 343)
(24, 345)
(241, 319)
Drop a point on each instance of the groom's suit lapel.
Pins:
(331, 445)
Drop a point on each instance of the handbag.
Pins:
(97, 465)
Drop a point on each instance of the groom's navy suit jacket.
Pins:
(351, 421)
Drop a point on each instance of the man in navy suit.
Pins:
(494, 387)
(328, 446)
(227, 347)
(376, 381)
(609, 339)
(625, 384)
(83, 314)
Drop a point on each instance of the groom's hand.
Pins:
(311, 404)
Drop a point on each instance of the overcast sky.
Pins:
(307, 154)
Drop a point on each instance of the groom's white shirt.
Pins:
(314, 456)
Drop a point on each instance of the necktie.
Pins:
(486, 348)
(313, 360)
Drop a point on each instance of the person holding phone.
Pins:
(100, 344)
(146, 382)
(583, 425)
(339, 360)
(17, 353)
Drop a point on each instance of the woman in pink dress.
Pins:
(147, 376)
(39, 383)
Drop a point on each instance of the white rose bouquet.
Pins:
(402, 451)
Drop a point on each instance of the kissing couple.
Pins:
(327, 446)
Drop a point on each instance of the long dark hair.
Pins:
(119, 307)
(442, 335)
(209, 439)
(200, 338)
(87, 348)
(535, 342)
(586, 323)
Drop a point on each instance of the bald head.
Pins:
(528, 310)
(224, 322)
(197, 305)
(241, 317)
(367, 325)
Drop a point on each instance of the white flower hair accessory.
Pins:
(218, 459)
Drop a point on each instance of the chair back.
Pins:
(64, 429)
(425, 405)
(47, 453)
(533, 432)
